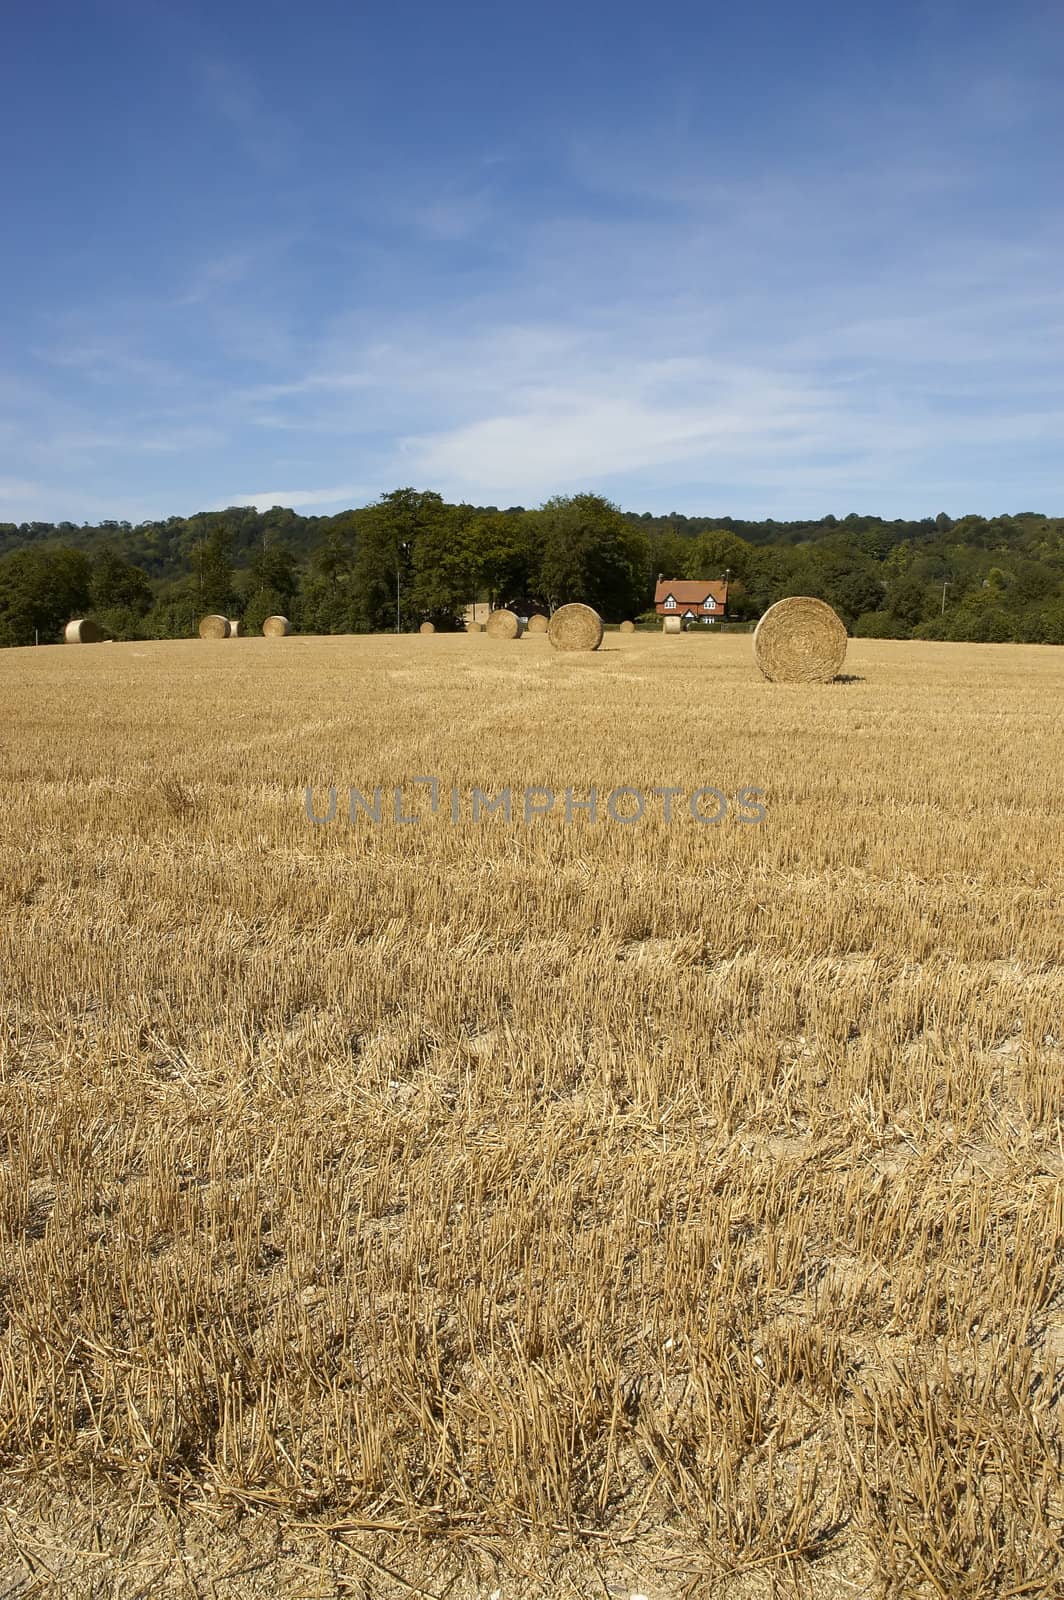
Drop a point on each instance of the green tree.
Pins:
(907, 600)
(876, 625)
(264, 603)
(669, 554)
(173, 616)
(591, 553)
(40, 592)
(276, 568)
(504, 552)
(718, 551)
(115, 583)
(388, 535)
(446, 568)
(212, 572)
(327, 602)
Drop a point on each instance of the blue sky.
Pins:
(771, 260)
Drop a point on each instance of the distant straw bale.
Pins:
(537, 623)
(214, 627)
(474, 627)
(427, 627)
(672, 625)
(84, 631)
(276, 627)
(626, 627)
(504, 625)
(575, 627)
(800, 640)
(235, 628)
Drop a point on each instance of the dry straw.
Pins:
(474, 627)
(427, 627)
(276, 627)
(84, 631)
(214, 627)
(503, 625)
(672, 625)
(626, 627)
(575, 627)
(537, 623)
(235, 628)
(800, 640)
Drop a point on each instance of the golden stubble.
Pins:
(693, 1189)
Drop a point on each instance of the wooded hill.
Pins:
(976, 578)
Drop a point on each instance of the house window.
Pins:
(670, 603)
(710, 604)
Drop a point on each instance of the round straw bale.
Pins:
(276, 627)
(503, 625)
(214, 627)
(626, 627)
(537, 623)
(84, 631)
(575, 627)
(235, 628)
(672, 625)
(427, 627)
(474, 627)
(800, 640)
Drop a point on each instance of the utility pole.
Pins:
(946, 585)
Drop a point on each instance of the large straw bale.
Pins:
(504, 625)
(626, 627)
(214, 627)
(800, 640)
(575, 627)
(672, 625)
(427, 627)
(84, 631)
(537, 623)
(276, 627)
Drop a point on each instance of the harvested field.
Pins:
(589, 1208)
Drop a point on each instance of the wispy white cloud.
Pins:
(265, 133)
(301, 499)
(207, 278)
(452, 214)
(18, 489)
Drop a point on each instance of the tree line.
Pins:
(412, 557)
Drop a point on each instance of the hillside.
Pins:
(981, 579)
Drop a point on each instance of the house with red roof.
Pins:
(692, 599)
